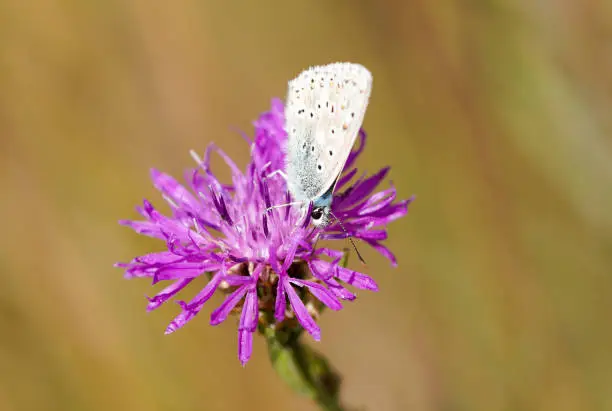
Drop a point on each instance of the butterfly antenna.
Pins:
(283, 205)
(349, 237)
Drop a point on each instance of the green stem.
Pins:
(305, 370)
(326, 399)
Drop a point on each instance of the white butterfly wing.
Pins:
(324, 111)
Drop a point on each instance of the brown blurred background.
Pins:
(496, 114)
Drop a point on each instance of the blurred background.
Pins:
(496, 114)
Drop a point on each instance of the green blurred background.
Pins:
(496, 114)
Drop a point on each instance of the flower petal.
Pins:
(290, 253)
(339, 291)
(245, 346)
(183, 270)
(322, 293)
(301, 312)
(280, 305)
(356, 279)
(248, 319)
(321, 269)
(235, 280)
(143, 227)
(355, 153)
(377, 235)
(383, 250)
(329, 252)
(175, 191)
(345, 179)
(167, 293)
(195, 305)
(206, 292)
(220, 314)
(378, 201)
(364, 188)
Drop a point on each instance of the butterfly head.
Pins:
(321, 209)
(320, 215)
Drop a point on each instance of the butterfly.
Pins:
(324, 110)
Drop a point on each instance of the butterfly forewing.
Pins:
(324, 112)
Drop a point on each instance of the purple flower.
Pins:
(259, 259)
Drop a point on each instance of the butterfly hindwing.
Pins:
(324, 112)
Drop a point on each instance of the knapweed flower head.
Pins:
(267, 262)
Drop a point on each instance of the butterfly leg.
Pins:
(303, 209)
(280, 173)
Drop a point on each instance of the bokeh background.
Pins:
(496, 114)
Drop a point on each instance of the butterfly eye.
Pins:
(331, 153)
(319, 167)
(316, 214)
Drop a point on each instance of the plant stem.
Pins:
(305, 370)
(327, 400)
